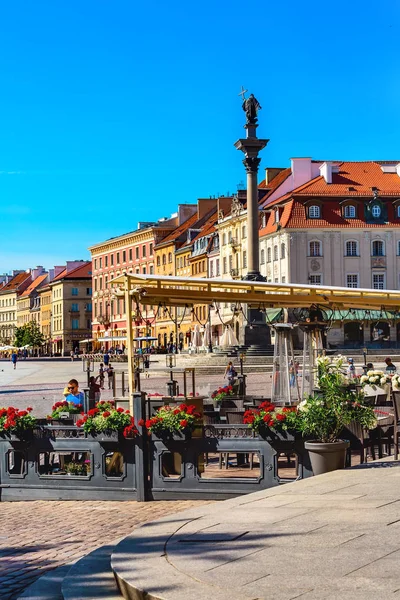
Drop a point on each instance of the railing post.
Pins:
(123, 383)
(141, 448)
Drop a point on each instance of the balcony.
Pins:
(234, 243)
(235, 273)
(378, 262)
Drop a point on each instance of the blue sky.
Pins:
(115, 112)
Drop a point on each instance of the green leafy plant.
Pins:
(269, 416)
(324, 415)
(172, 419)
(29, 334)
(77, 468)
(64, 407)
(222, 392)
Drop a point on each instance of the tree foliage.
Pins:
(29, 334)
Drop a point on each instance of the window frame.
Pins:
(379, 274)
(346, 253)
(352, 275)
(317, 209)
(346, 208)
(312, 253)
(373, 242)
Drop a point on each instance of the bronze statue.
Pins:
(251, 106)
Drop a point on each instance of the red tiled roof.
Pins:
(208, 227)
(176, 233)
(276, 182)
(354, 179)
(14, 284)
(81, 272)
(34, 285)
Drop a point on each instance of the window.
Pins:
(151, 270)
(275, 252)
(88, 291)
(217, 271)
(95, 285)
(244, 232)
(158, 261)
(95, 266)
(277, 216)
(350, 211)
(144, 270)
(314, 212)
(262, 259)
(74, 291)
(144, 251)
(170, 257)
(74, 307)
(112, 259)
(117, 258)
(263, 220)
(100, 262)
(151, 249)
(315, 248)
(283, 251)
(124, 256)
(224, 265)
(283, 279)
(106, 261)
(224, 239)
(352, 280)
(244, 260)
(351, 248)
(230, 263)
(378, 281)
(137, 252)
(378, 249)
(88, 307)
(130, 254)
(75, 323)
(211, 269)
(268, 254)
(315, 279)
(164, 259)
(376, 211)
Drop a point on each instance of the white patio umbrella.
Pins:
(207, 336)
(228, 338)
(196, 337)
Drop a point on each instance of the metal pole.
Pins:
(129, 341)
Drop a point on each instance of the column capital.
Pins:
(251, 164)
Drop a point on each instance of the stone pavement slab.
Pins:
(332, 536)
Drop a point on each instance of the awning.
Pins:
(86, 341)
(116, 338)
(57, 339)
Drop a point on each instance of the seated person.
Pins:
(390, 367)
(74, 395)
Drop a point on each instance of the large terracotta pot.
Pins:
(327, 456)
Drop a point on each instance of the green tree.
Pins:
(29, 334)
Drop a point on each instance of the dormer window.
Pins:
(314, 211)
(376, 211)
(349, 211)
(398, 211)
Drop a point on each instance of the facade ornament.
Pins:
(366, 235)
(302, 237)
(389, 236)
(292, 238)
(236, 207)
(220, 215)
(338, 236)
(315, 265)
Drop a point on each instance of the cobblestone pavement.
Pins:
(38, 536)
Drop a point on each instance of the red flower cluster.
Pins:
(14, 419)
(221, 392)
(266, 415)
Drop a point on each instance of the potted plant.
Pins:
(70, 409)
(173, 421)
(395, 382)
(325, 415)
(16, 424)
(222, 393)
(375, 379)
(77, 468)
(269, 420)
(107, 425)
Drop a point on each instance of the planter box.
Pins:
(14, 437)
(172, 437)
(272, 435)
(104, 436)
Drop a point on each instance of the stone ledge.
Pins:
(324, 538)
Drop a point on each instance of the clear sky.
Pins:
(116, 111)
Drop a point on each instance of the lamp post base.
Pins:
(254, 276)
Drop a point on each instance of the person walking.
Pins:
(106, 359)
(72, 355)
(94, 392)
(14, 358)
(146, 365)
(110, 374)
(230, 373)
(101, 376)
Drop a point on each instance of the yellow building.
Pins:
(9, 294)
(45, 294)
(28, 303)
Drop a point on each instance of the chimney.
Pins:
(185, 211)
(58, 270)
(301, 171)
(204, 206)
(326, 171)
(37, 272)
(271, 173)
(74, 264)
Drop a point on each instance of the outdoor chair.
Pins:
(370, 400)
(211, 417)
(234, 417)
(381, 399)
(396, 427)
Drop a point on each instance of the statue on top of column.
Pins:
(251, 106)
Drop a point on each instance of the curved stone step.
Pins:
(48, 586)
(91, 577)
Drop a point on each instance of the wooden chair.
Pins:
(234, 417)
(211, 417)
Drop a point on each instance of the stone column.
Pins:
(251, 146)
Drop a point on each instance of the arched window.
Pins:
(170, 257)
(275, 252)
(350, 211)
(164, 259)
(283, 251)
(268, 254)
(262, 260)
(158, 261)
(314, 212)
(351, 248)
(376, 211)
(315, 248)
(378, 248)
